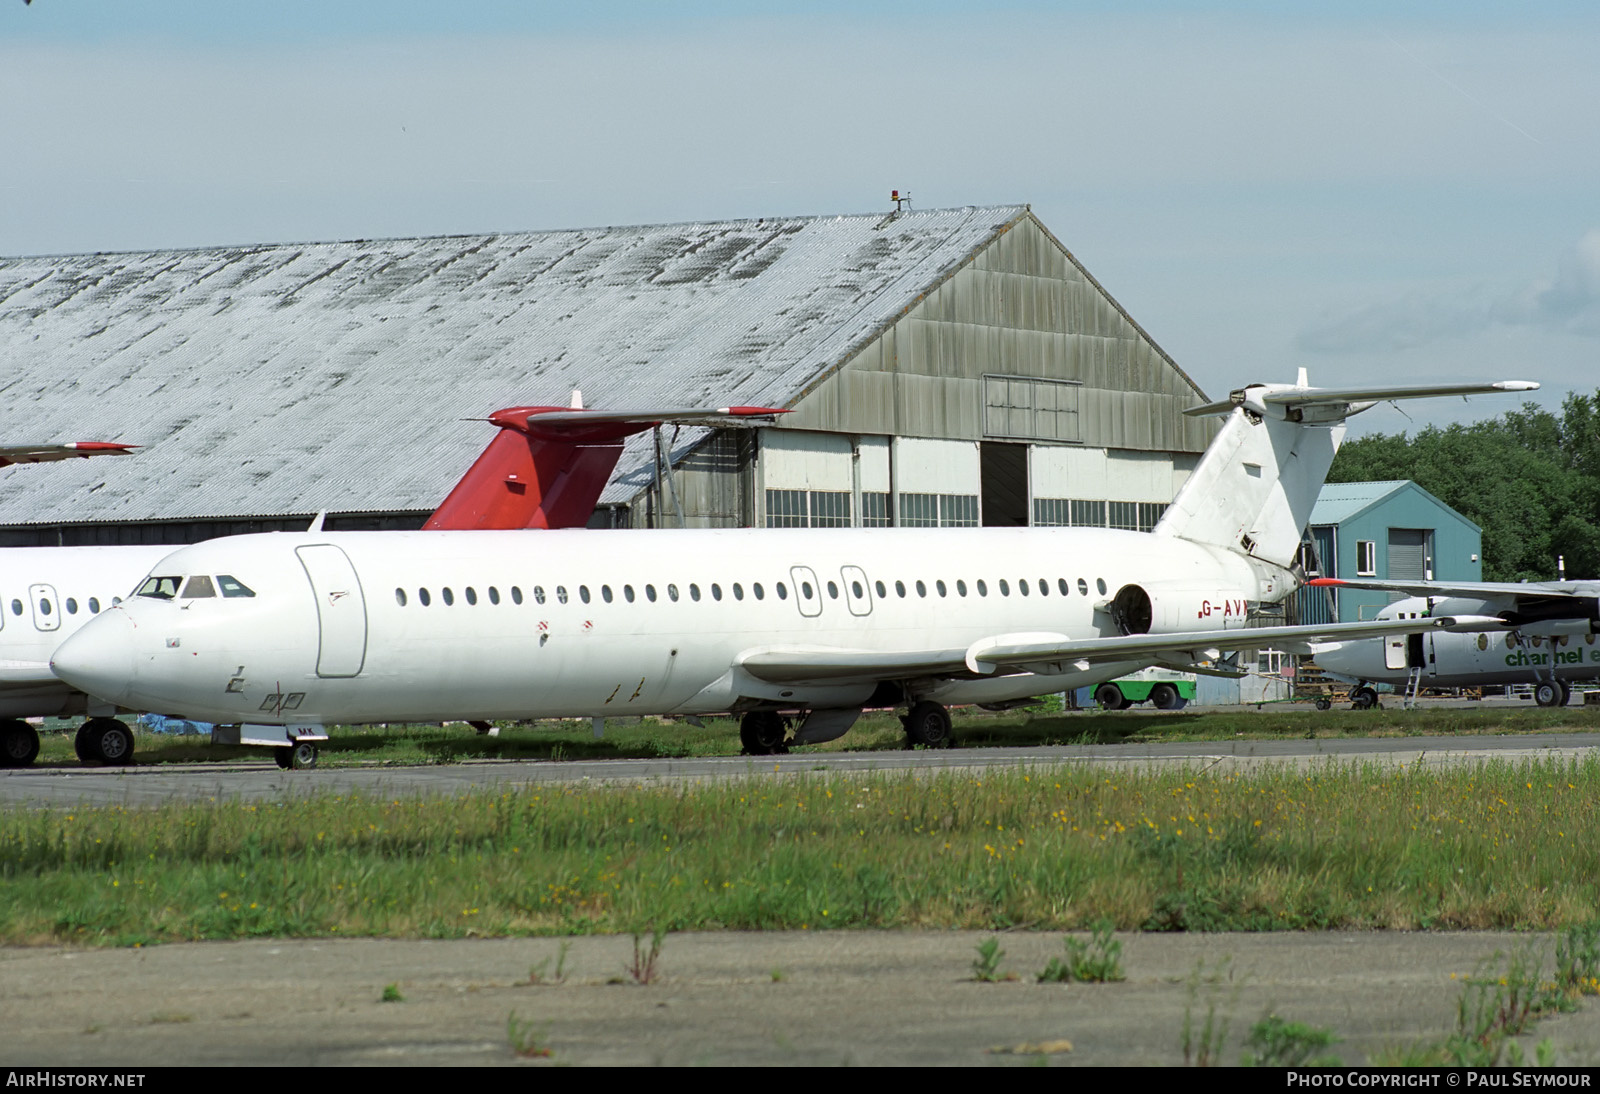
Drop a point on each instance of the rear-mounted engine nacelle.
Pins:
(1168, 609)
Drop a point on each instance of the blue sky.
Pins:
(1366, 190)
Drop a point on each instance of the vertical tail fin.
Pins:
(1254, 488)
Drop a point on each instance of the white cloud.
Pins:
(1568, 303)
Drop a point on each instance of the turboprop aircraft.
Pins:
(1548, 641)
(771, 624)
(544, 468)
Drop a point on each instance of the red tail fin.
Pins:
(547, 465)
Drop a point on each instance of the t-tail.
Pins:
(1253, 490)
(548, 464)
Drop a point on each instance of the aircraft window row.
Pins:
(47, 605)
(1025, 587)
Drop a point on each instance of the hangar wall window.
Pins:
(939, 510)
(1366, 558)
(808, 509)
(1123, 515)
(875, 509)
(1135, 516)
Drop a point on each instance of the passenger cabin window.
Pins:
(448, 596)
(233, 587)
(494, 595)
(72, 606)
(516, 594)
(199, 586)
(423, 598)
(158, 588)
(400, 597)
(94, 605)
(472, 595)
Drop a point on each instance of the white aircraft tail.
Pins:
(1254, 488)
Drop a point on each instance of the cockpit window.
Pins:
(199, 585)
(230, 587)
(161, 588)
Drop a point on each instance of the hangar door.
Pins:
(341, 610)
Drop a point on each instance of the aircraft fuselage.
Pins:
(395, 626)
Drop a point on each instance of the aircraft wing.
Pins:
(45, 453)
(1057, 653)
(1464, 588)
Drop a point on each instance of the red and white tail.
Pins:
(548, 464)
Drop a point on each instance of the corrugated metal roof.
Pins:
(292, 378)
(1339, 501)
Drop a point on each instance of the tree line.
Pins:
(1529, 478)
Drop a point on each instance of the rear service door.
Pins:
(341, 610)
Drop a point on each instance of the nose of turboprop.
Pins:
(98, 659)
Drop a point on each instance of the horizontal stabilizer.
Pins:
(46, 453)
(1342, 402)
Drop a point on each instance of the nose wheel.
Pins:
(300, 756)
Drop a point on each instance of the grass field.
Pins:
(651, 738)
(1499, 845)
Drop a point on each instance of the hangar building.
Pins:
(942, 367)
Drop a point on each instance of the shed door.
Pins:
(1410, 554)
(341, 610)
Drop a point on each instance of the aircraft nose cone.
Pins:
(98, 659)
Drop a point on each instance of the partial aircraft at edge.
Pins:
(1544, 622)
(544, 468)
(771, 624)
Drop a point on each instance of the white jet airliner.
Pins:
(1549, 638)
(285, 633)
(544, 468)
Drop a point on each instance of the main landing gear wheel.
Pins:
(104, 741)
(1548, 693)
(928, 724)
(1363, 698)
(1566, 693)
(19, 743)
(1110, 697)
(761, 732)
(300, 756)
